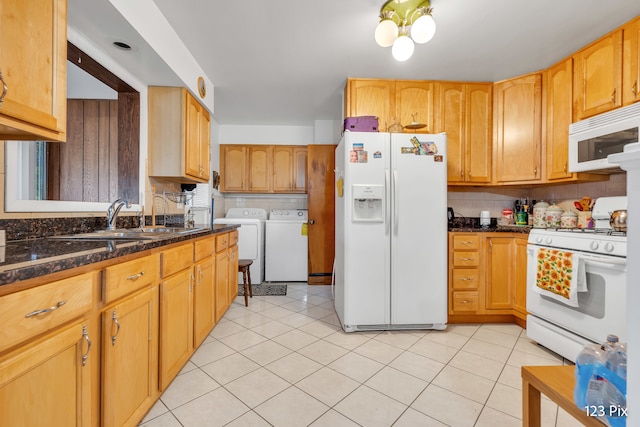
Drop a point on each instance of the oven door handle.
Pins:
(608, 263)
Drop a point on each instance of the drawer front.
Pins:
(466, 259)
(466, 242)
(124, 278)
(465, 301)
(204, 248)
(233, 238)
(176, 259)
(222, 242)
(465, 278)
(28, 313)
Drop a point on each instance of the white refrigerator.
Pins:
(391, 231)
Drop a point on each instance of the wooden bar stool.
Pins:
(243, 266)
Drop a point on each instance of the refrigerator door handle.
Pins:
(396, 201)
(387, 204)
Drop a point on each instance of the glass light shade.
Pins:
(386, 33)
(402, 48)
(423, 29)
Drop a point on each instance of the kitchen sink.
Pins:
(147, 233)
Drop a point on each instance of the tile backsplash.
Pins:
(469, 203)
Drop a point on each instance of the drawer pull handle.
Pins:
(85, 335)
(136, 276)
(46, 310)
(466, 243)
(466, 259)
(465, 301)
(115, 320)
(466, 278)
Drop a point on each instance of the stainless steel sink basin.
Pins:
(149, 233)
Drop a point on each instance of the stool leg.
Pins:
(244, 280)
(250, 289)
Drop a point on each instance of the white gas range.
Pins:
(600, 307)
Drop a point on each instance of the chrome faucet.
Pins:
(112, 212)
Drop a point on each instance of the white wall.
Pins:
(255, 134)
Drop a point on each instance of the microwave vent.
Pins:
(612, 116)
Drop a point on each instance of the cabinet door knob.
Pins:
(613, 96)
(634, 89)
(115, 320)
(85, 335)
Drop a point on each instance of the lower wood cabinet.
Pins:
(48, 382)
(98, 348)
(129, 359)
(487, 277)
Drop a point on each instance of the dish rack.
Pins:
(182, 200)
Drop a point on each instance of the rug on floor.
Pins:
(264, 289)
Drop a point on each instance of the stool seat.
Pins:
(244, 268)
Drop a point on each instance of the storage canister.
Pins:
(552, 215)
(539, 210)
(569, 219)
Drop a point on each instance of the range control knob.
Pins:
(245, 213)
(549, 240)
(539, 239)
(609, 247)
(594, 245)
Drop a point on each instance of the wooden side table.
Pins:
(557, 382)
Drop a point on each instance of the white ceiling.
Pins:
(285, 62)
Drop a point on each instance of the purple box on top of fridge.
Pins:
(361, 124)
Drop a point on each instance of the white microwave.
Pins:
(593, 139)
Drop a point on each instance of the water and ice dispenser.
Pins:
(368, 203)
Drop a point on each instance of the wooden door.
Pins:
(300, 169)
(414, 102)
(282, 169)
(34, 68)
(520, 277)
(518, 128)
(176, 325)
(450, 119)
(559, 85)
(598, 76)
(478, 121)
(260, 168)
(46, 383)
(320, 178)
(371, 97)
(499, 273)
(222, 288)
(631, 62)
(192, 165)
(204, 310)
(233, 168)
(129, 359)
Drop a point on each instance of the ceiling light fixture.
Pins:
(403, 22)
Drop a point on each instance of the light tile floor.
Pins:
(285, 361)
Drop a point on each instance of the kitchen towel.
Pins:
(560, 275)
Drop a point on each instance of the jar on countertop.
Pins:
(569, 219)
(553, 216)
(539, 210)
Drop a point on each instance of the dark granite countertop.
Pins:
(493, 229)
(26, 259)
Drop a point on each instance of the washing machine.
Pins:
(251, 237)
(286, 246)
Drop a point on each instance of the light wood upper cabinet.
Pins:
(233, 168)
(464, 112)
(179, 135)
(263, 168)
(371, 97)
(260, 168)
(598, 76)
(558, 87)
(518, 129)
(414, 102)
(391, 99)
(631, 62)
(34, 69)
